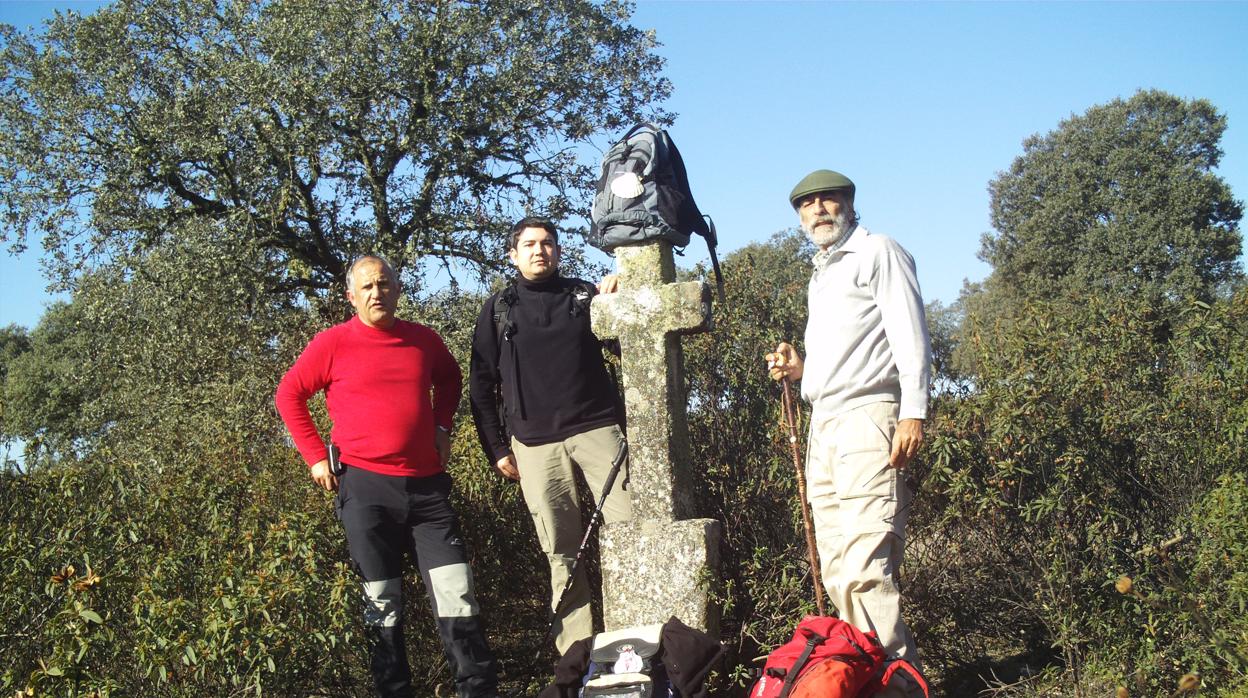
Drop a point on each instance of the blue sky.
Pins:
(920, 103)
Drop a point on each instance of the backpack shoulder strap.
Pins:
(910, 670)
(582, 293)
(711, 241)
(690, 215)
(813, 640)
(503, 301)
(503, 330)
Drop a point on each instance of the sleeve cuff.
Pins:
(499, 454)
(912, 410)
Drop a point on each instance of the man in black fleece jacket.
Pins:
(559, 405)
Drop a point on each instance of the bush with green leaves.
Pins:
(165, 539)
(1187, 598)
(1090, 431)
(172, 580)
(740, 448)
(1093, 425)
(313, 132)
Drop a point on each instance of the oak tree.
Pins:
(314, 130)
(1122, 199)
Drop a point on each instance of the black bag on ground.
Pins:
(643, 194)
(686, 655)
(625, 664)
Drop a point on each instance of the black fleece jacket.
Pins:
(550, 368)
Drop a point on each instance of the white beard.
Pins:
(824, 236)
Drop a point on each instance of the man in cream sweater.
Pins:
(866, 375)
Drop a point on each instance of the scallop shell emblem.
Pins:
(627, 186)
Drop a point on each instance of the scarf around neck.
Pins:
(824, 256)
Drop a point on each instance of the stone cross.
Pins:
(660, 563)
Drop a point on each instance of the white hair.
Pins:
(366, 258)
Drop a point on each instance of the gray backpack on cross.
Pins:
(643, 194)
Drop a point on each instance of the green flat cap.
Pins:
(821, 180)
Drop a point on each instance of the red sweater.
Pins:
(378, 384)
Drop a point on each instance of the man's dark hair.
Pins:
(532, 222)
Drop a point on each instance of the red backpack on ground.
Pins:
(829, 658)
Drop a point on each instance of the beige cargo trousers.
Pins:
(859, 505)
(548, 483)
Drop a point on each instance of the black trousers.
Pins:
(387, 518)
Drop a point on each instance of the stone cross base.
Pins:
(653, 570)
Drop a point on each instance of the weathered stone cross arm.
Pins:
(649, 300)
(677, 308)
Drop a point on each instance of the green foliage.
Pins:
(1217, 581)
(1189, 598)
(221, 570)
(1120, 199)
(14, 341)
(184, 352)
(1190, 592)
(313, 131)
(740, 444)
(47, 389)
(166, 540)
(200, 173)
(1080, 441)
(1094, 394)
(944, 323)
(1083, 439)
(179, 578)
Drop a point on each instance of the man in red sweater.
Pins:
(379, 374)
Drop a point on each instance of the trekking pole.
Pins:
(594, 520)
(790, 419)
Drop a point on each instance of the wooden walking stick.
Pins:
(790, 419)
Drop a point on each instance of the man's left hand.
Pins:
(442, 442)
(906, 442)
(609, 284)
